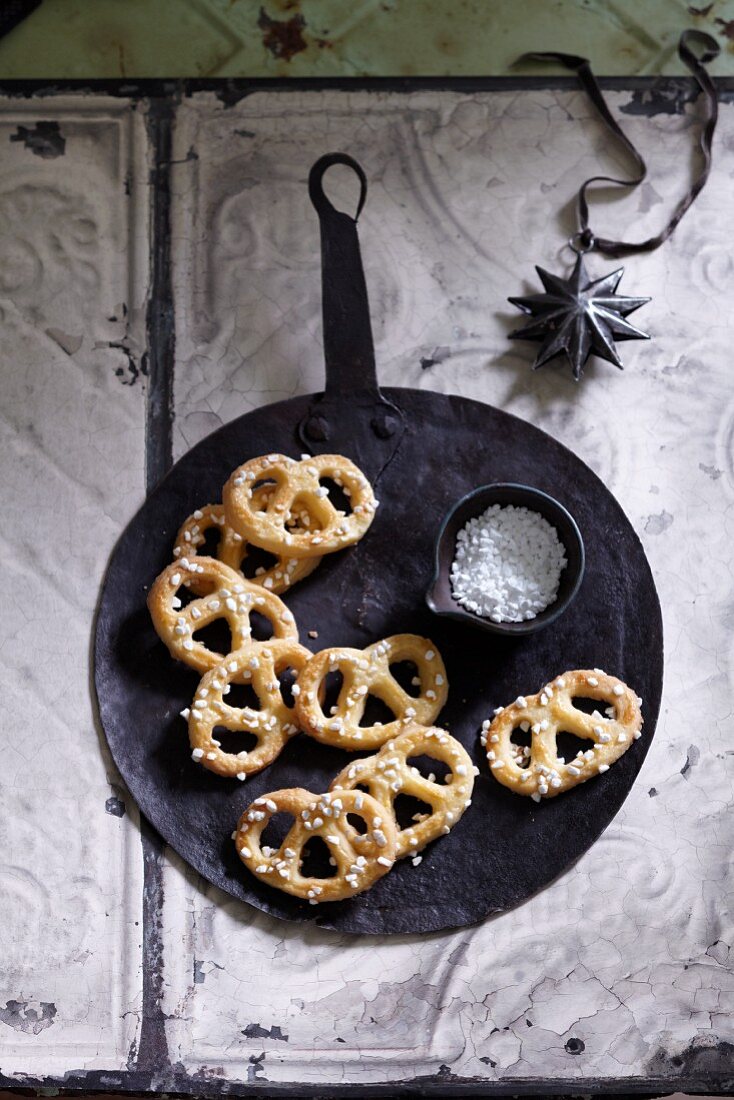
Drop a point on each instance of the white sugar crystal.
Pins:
(508, 564)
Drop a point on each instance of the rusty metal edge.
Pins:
(178, 1083)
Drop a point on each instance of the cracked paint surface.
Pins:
(72, 438)
(624, 967)
(28, 1018)
(613, 964)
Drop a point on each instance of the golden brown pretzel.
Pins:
(388, 774)
(258, 664)
(539, 772)
(232, 548)
(367, 672)
(360, 859)
(297, 487)
(223, 594)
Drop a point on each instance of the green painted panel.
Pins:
(190, 38)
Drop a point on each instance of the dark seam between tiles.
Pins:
(231, 89)
(152, 1053)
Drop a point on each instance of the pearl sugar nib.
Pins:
(508, 564)
(578, 316)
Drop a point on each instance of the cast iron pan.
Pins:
(422, 451)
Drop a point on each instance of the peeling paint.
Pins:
(721, 953)
(706, 1056)
(23, 1016)
(438, 355)
(130, 373)
(69, 344)
(230, 93)
(44, 140)
(664, 97)
(458, 956)
(656, 524)
(648, 197)
(256, 1031)
(256, 1069)
(694, 755)
(115, 806)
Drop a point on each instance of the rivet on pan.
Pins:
(317, 428)
(384, 425)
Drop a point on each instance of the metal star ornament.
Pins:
(578, 316)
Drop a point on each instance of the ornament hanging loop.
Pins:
(581, 242)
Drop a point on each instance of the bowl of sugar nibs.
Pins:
(508, 558)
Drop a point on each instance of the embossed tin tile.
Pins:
(73, 225)
(620, 969)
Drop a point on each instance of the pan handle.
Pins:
(351, 416)
(348, 347)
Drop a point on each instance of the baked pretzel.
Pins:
(223, 594)
(367, 672)
(538, 771)
(297, 489)
(260, 665)
(388, 774)
(232, 548)
(361, 858)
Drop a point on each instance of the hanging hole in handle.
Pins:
(340, 185)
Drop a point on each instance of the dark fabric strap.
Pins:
(588, 241)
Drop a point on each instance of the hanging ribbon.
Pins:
(585, 240)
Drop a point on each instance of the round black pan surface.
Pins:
(506, 847)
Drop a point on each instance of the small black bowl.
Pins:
(439, 597)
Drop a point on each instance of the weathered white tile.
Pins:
(629, 952)
(73, 286)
